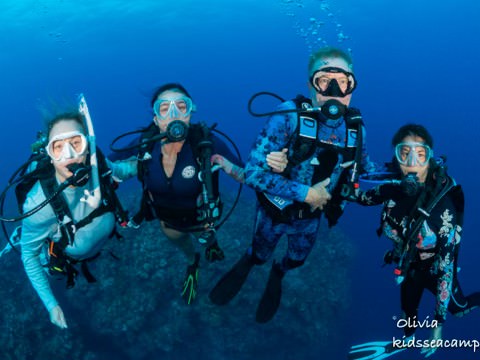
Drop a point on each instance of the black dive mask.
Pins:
(81, 174)
(333, 109)
(329, 86)
(410, 184)
(176, 131)
(333, 89)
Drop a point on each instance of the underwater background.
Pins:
(415, 61)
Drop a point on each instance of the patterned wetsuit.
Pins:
(433, 268)
(301, 233)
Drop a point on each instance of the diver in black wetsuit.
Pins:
(170, 171)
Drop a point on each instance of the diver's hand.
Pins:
(91, 198)
(223, 162)
(318, 196)
(436, 335)
(57, 317)
(277, 160)
(235, 171)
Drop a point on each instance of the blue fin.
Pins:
(375, 350)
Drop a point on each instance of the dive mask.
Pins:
(413, 153)
(173, 108)
(335, 86)
(69, 145)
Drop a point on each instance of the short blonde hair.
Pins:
(328, 52)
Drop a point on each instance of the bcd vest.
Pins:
(302, 146)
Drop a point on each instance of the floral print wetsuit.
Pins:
(433, 267)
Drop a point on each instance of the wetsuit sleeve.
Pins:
(35, 230)
(124, 163)
(123, 169)
(444, 224)
(274, 136)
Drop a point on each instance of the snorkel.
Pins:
(94, 197)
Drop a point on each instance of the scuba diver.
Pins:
(175, 160)
(69, 207)
(323, 140)
(423, 216)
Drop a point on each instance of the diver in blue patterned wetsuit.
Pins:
(423, 216)
(324, 149)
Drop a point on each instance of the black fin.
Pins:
(231, 283)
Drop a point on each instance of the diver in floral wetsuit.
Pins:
(321, 148)
(427, 207)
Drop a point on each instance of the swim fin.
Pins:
(376, 350)
(189, 291)
(231, 283)
(272, 295)
(214, 253)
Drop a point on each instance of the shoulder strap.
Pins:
(58, 203)
(61, 209)
(43, 169)
(458, 199)
(150, 131)
(201, 142)
(353, 117)
(301, 101)
(110, 200)
(103, 168)
(200, 139)
(144, 149)
(348, 179)
(354, 121)
(304, 140)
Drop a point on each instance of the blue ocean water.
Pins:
(416, 61)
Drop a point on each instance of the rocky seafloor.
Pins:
(134, 310)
